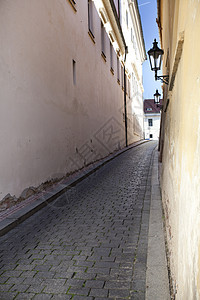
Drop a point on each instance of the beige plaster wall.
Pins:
(48, 125)
(181, 154)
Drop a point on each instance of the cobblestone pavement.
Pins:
(90, 243)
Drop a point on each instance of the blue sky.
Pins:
(148, 13)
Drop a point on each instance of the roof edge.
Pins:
(117, 21)
(135, 10)
(140, 23)
(158, 20)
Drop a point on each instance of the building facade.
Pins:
(152, 117)
(179, 23)
(62, 89)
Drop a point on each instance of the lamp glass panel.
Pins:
(157, 58)
(157, 99)
(152, 62)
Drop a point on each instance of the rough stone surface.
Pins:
(90, 243)
(7, 202)
(157, 273)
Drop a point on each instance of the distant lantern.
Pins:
(157, 97)
(155, 56)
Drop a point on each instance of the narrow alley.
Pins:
(90, 243)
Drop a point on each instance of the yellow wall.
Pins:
(181, 153)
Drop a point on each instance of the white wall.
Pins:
(49, 126)
(155, 129)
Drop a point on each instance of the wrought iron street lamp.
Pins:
(155, 58)
(157, 97)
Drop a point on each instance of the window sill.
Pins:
(103, 56)
(91, 36)
(112, 71)
(73, 3)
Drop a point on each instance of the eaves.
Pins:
(158, 19)
(136, 16)
(115, 23)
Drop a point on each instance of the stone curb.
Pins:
(157, 281)
(19, 215)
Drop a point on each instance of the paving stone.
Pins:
(42, 297)
(56, 289)
(139, 285)
(75, 282)
(35, 289)
(31, 281)
(121, 271)
(85, 276)
(24, 267)
(82, 298)
(42, 268)
(12, 273)
(5, 287)
(117, 284)
(19, 288)
(28, 274)
(53, 282)
(102, 264)
(119, 293)
(135, 295)
(4, 279)
(84, 263)
(79, 291)
(99, 236)
(45, 275)
(77, 269)
(79, 257)
(99, 293)
(63, 275)
(105, 271)
(25, 296)
(98, 298)
(97, 284)
(104, 278)
(103, 298)
(59, 269)
(41, 262)
(7, 296)
(61, 297)
(108, 259)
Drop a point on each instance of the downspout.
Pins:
(125, 108)
(112, 4)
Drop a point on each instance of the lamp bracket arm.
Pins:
(164, 78)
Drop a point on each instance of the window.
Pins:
(122, 76)
(127, 18)
(151, 136)
(117, 6)
(118, 75)
(126, 81)
(129, 88)
(73, 4)
(111, 58)
(149, 109)
(150, 122)
(103, 50)
(90, 17)
(74, 71)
